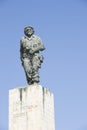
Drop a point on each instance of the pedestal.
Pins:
(31, 108)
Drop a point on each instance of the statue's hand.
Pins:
(31, 51)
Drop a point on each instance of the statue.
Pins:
(30, 47)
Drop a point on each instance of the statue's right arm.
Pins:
(21, 48)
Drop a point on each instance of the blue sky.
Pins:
(62, 26)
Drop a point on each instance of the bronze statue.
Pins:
(30, 46)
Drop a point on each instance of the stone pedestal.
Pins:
(31, 108)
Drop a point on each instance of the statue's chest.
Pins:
(29, 43)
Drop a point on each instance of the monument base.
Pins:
(31, 108)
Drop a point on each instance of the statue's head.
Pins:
(28, 31)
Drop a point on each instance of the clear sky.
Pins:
(62, 26)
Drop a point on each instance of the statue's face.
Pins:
(29, 31)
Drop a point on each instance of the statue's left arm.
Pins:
(38, 45)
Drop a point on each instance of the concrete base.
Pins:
(31, 108)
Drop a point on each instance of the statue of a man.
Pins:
(30, 46)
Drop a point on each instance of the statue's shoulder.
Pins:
(37, 38)
(23, 39)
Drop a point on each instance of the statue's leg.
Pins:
(28, 69)
(35, 77)
(35, 68)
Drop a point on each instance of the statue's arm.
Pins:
(21, 48)
(38, 45)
